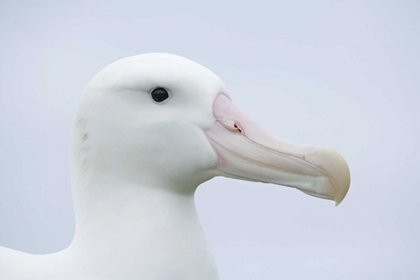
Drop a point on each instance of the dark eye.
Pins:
(159, 94)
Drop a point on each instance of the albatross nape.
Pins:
(148, 130)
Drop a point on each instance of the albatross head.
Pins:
(164, 121)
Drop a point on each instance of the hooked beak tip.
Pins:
(338, 172)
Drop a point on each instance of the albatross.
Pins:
(148, 130)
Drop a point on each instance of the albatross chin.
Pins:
(148, 130)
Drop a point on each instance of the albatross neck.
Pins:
(145, 231)
(126, 213)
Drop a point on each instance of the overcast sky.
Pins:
(344, 75)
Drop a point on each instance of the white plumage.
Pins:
(137, 158)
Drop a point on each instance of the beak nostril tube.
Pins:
(238, 127)
(231, 125)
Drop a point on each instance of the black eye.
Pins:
(159, 94)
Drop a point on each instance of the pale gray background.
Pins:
(344, 75)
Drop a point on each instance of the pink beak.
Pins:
(248, 152)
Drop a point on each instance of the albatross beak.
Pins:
(248, 152)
